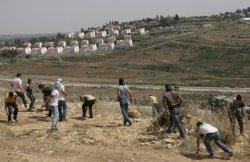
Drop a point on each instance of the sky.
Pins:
(53, 16)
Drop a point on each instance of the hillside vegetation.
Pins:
(214, 56)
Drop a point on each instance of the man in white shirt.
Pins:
(18, 89)
(62, 106)
(209, 133)
(53, 99)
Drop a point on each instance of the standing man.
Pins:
(30, 94)
(62, 106)
(123, 96)
(237, 110)
(172, 100)
(209, 133)
(155, 104)
(52, 100)
(18, 89)
(88, 102)
(10, 104)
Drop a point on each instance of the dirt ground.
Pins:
(101, 139)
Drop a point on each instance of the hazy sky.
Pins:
(52, 16)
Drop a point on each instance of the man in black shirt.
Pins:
(237, 110)
(46, 92)
(30, 94)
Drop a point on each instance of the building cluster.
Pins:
(102, 40)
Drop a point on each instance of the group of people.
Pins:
(18, 91)
(55, 102)
(207, 132)
(54, 99)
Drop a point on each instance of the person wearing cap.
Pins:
(52, 100)
(123, 96)
(209, 133)
(88, 102)
(62, 105)
(29, 93)
(172, 100)
(10, 104)
(18, 89)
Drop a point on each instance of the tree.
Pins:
(59, 36)
(82, 30)
(176, 17)
(18, 42)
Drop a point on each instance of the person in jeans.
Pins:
(172, 100)
(18, 89)
(209, 133)
(62, 106)
(52, 100)
(123, 96)
(88, 102)
(237, 111)
(10, 104)
(30, 94)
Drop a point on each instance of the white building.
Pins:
(70, 35)
(99, 41)
(62, 44)
(90, 34)
(79, 35)
(35, 51)
(111, 39)
(59, 50)
(38, 45)
(140, 31)
(124, 43)
(104, 47)
(26, 44)
(52, 50)
(89, 48)
(102, 34)
(38, 51)
(85, 42)
(71, 49)
(43, 50)
(27, 50)
(126, 31)
(114, 33)
(49, 44)
(19, 50)
(74, 43)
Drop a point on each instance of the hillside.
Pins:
(215, 56)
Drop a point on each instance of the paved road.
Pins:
(181, 88)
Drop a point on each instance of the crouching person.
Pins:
(209, 133)
(88, 102)
(10, 104)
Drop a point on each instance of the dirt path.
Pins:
(102, 139)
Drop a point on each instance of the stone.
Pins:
(146, 138)
(134, 114)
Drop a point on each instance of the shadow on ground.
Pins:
(40, 118)
(202, 156)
